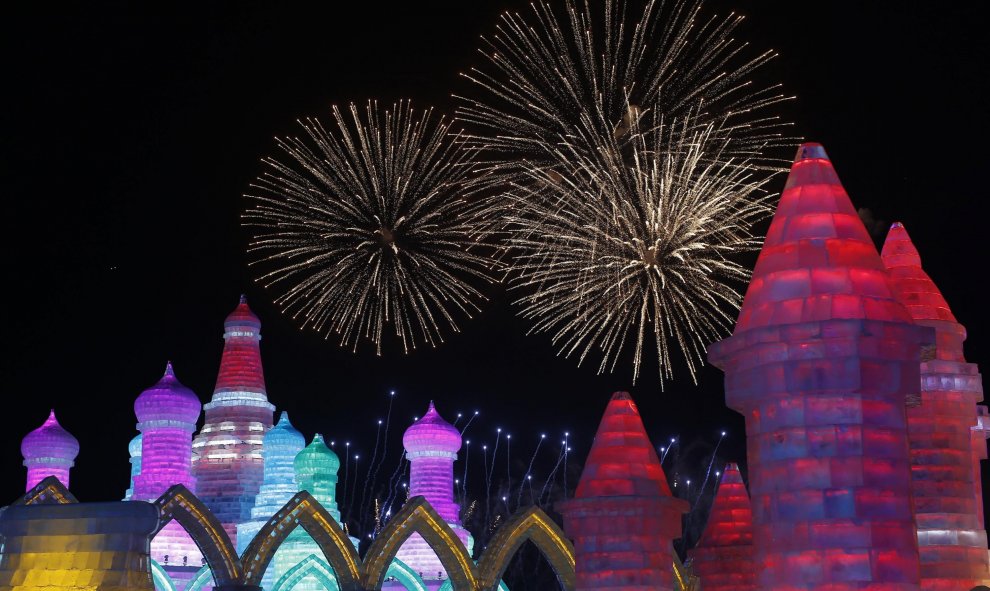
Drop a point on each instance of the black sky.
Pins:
(129, 136)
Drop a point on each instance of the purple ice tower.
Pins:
(49, 450)
(431, 446)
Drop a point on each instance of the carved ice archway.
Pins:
(533, 525)
(203, 527)
(311, 565)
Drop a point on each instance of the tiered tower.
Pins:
(431, 445)
(316, 469)
(623, 519)
(945, 466)
(49, 450)
(228, 465)
(167, 413)
(279, 448)
(821, 363)
(134, 451)
(723, 557)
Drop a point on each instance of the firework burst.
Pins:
(366, 224)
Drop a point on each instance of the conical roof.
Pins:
(50, 440)
(281, 439)
(168, 400)
(242, 316)
(622, 461)
(912, 286)
(240, 365)
(432, 433)
(818, 261)
(730, 522)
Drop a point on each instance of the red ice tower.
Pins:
(228, 466)
(821, 364)
(723, 557)
(623, 518)
(945, 465)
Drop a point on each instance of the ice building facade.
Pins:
(227, 464)
(49, 450)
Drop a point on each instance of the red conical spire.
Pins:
(240, 366)
(723, 557)
(913, 286)
(622, 461)
(818, 261)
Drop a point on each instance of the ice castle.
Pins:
(864, 443)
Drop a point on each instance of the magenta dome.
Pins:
(168, 400)
(50, 440)
(432, 433)
(242, 316)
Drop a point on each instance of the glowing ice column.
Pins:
(167, 413)
(945, 467)
(134, 450)
(279, 448)
(228, 466)
(431, 445)
(821, 363)
(623, 518)
(49, 450)
(723, 557)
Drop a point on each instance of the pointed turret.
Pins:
(623, 519)
(723, 557)
(228, 465)
(49, 450)
(821, 363)
(946, 441)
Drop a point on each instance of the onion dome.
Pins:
(49, 442)
(242, 317)
(316, 461)
(134, 447)
(168, 400)
(283, 436)
(432, 434)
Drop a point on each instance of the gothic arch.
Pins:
(162, 581)
(50, 491)
(447, 586)
(404, 573)
(306, 511)
(311, 565)
(183, 506)
(200, 579)
(418, 516)
(531, 524)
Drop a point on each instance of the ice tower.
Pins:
(228, 465)
(279, 448)
(723, 557)
(945, 465)
(431, 445)
(49, 450)
(134, 451)
(821, 363)
(623, 519)
(167, 413)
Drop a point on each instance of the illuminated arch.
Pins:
(531, 524)
(448, 587)
(404, 573)
(162, 581)
(204, 528)
(306, 511)
(418, 516)
(200, 579)
(311, 565)
(50, 491)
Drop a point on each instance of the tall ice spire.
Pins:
(723, 557)
(943, 431)
(228, 464)
(821, 363)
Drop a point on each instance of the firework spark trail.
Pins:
(347, 465)
(468, 424)
(529, 470)
(491, 470)
(711, 463)
(553, 473)
(488, 482)
(374, 468)
(467, 459)
(508, 466)
(366, 224)
(371, 466)
(666, 450)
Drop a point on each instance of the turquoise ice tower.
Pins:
(134, 451)
(278, 449)
(315, 469)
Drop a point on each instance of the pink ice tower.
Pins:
(228, 464)
(49, 450)
(723, 557)
(821, 364)
(945, 465)
(167, 413)
(431, 445)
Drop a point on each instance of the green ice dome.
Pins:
(316, 468)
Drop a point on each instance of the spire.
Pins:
(730, 522)
(168, 369)
(622, 461)
(818, 261)
(912, 285)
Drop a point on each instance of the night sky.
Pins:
(129, 137)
